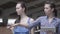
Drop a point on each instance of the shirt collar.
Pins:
(54, 18)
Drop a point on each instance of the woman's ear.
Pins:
(52, 9)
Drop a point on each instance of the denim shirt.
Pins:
(43, 21)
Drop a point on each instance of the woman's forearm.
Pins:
(35, 23)
(20, 24)
(32, 31)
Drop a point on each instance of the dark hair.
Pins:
(52, 5)
(23, 5)
(18, 19)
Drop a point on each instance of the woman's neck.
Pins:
(23, 16)
(51, 16)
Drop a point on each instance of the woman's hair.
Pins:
(23, 5)
(18, 19)
(52, 5)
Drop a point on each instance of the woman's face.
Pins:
(47, 9)
(19, 9)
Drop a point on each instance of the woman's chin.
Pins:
(47, 14)
(18, 14)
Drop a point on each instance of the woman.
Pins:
(50, 20)
(23, 18)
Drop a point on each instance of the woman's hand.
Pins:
(11, 28)
(13, 25)
(23, 24)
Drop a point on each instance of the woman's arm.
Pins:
(32, 30)
(33, 24)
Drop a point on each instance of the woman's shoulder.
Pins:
(42, 17)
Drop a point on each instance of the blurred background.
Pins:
(8, 12)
